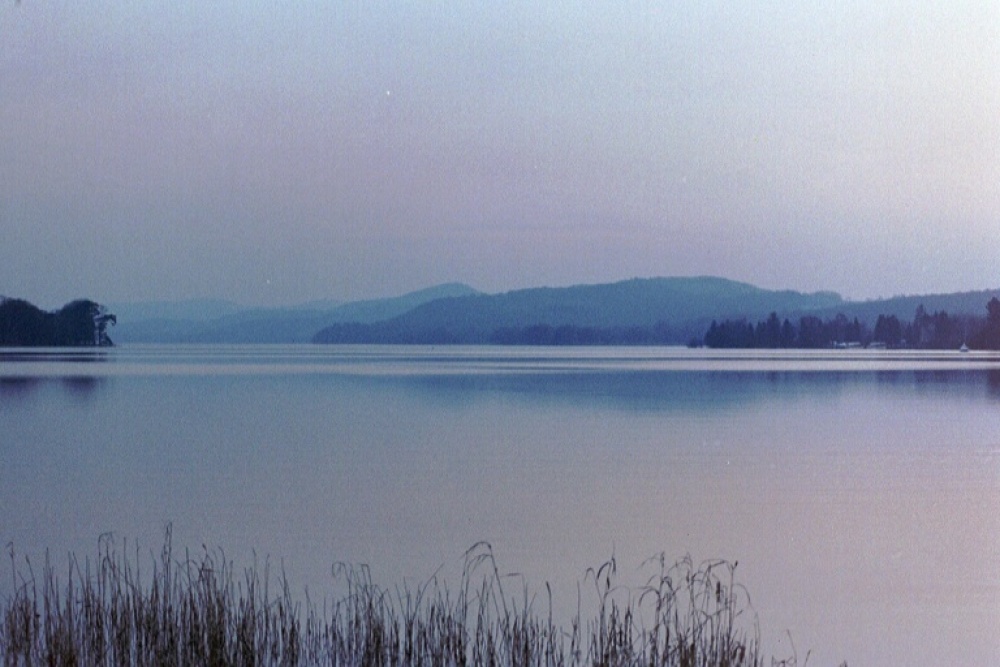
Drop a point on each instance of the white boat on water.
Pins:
(964, 348)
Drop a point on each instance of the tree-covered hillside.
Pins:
(637, 311)
(671, 311)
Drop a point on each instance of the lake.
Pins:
(859, 491)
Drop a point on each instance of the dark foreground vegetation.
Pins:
(201, 611)
(926, 331)
(80, 323)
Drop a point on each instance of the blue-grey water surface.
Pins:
(859, 491)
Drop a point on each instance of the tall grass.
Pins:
(199, 610)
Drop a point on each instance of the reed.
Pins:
(199, 610)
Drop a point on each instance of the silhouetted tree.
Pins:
(989, 337)
(80, 323)
(768, 333)
(888, 330)
(811, 332)
(919, 334)
(787, 334)
(939, 331)
(22, 322)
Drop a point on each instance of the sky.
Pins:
(275, 153)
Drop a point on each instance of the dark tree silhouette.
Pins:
(937, 331)
(888, 330)
(80, 323)
(989, 337)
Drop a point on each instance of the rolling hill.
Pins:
(670, 310)
(207, 321)
(675, 309)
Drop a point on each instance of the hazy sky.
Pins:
(280, 152)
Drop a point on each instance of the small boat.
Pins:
(964, 348)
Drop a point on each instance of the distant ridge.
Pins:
(374, 310)
(903, 307)
(659, 310)
(676, 308)
(214, 321)
(188, 309)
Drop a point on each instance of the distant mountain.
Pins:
(664, 310)
(904, 307)
(636, 311)
(319, 304)
(191, 309)
(376, 310)
(207, 321)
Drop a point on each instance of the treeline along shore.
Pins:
(927, 331)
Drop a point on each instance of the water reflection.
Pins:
(80, 386)
(44, 354)
(846, 484)
(993, 382)
(17, 386)
(687, 391)
(25, 371)
(634, 379)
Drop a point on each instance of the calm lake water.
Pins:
(859, 491)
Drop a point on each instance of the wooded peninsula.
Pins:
(80, 323)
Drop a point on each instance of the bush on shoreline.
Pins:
(201, 611)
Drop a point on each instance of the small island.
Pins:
(80, 323)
